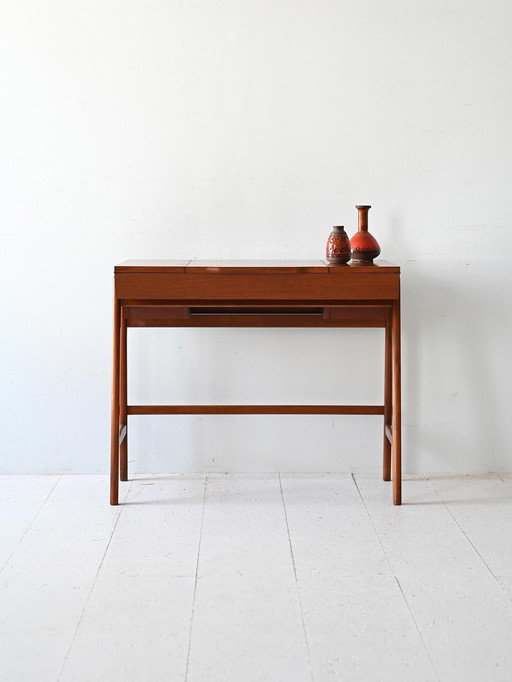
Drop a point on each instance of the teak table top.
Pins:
(253, 266)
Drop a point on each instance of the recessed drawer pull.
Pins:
(251, 310)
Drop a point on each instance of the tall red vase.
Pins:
(363, 245)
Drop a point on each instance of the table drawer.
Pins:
(246, 287)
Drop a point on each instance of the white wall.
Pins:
(246, 129)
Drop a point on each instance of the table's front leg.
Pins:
(123, 399)
(396, 448)
(114, 424)
(388, 400)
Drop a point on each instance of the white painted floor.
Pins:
(241, 578)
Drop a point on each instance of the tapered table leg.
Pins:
(123, 400)
(388, 390)
(396, 448)
(114, 434)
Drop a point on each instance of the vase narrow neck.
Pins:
(362, 217)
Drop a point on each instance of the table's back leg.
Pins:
(396, 448)
(114, 424)
(123, 400)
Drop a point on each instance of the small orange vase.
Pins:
(338, 246)
(363, 245)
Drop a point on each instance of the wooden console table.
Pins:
(256, 294)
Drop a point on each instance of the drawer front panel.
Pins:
(246, 287)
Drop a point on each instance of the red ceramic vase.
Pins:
(363, 245)
(338, 246)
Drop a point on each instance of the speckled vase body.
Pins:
(338, 246)
(363, 245)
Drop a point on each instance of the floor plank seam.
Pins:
(195, 581)
(397, 581)
(75, 633)
(508, 596)
(31, 523)
(296, 581)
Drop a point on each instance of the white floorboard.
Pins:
(462, 613)
(46, 581)
(21, 498)
(133, 629)
(482, 507)
(360, 629)
(244, 527)
(466, 624)
(420, 537)
(231, 578)
(247, 622)
(159, 528)
(331, 533)
(247, 627)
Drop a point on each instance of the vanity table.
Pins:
(256, 294)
